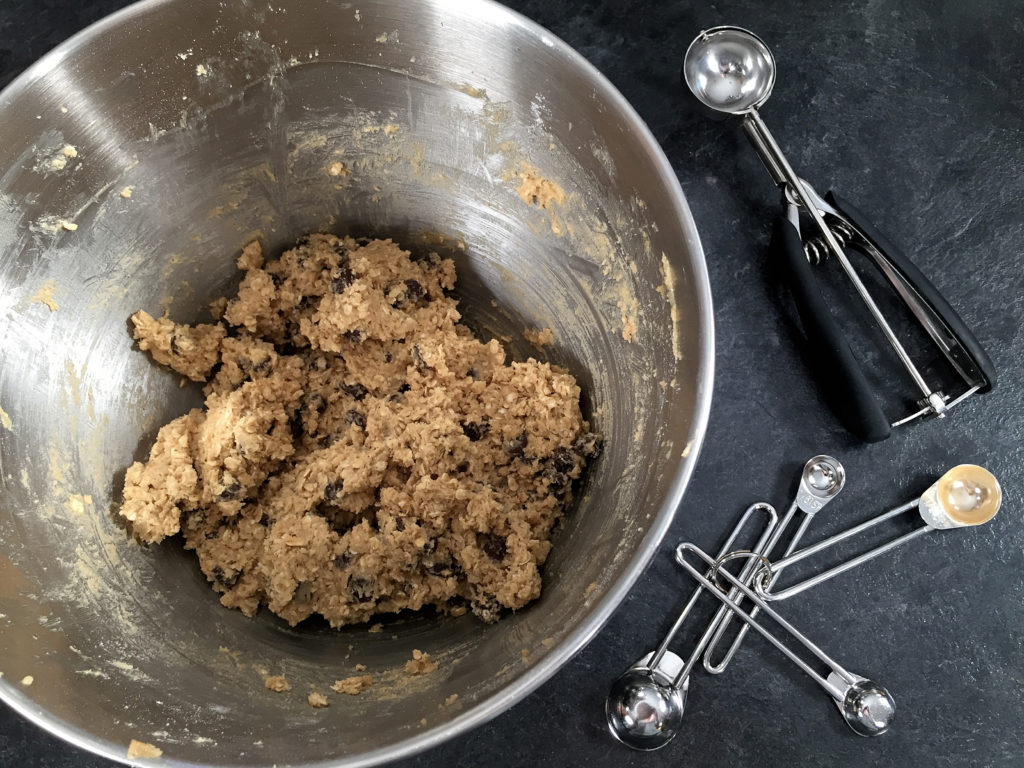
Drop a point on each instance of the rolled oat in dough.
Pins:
(359, 452)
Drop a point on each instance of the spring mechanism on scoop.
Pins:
(816, 249)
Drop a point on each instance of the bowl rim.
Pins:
(563, 652)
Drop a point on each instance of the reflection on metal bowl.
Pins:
(143, 153)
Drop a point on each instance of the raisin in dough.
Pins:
(359, 452)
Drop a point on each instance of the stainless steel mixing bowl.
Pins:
(137, 159)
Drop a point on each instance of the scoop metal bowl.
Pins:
(200, 126)
(729, 69)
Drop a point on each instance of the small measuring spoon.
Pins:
(867, 707)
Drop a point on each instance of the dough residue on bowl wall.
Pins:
(535, 189)
(668, 290)
(277, 683)
(541, 337)
(142, 749)
(352, 686)
(5, 420)
(44, 296)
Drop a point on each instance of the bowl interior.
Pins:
(197, 128)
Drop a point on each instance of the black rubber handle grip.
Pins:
(923, 286)
(844, 385)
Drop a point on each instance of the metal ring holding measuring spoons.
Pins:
(772, 516)
(821, 480)
(766, 564)
(867, 707)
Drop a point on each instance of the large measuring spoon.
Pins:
(644, 707)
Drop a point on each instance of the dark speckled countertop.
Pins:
(912, 108)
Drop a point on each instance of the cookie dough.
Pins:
(420, 664)
(277, 683)
(359, 452)
(137, 749)
(353, 686)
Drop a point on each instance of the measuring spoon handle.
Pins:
(843, 383)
